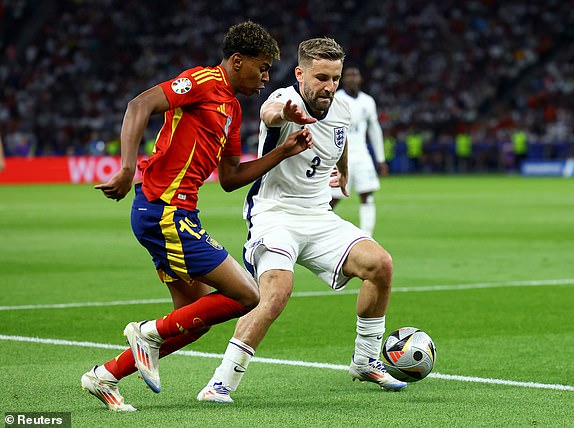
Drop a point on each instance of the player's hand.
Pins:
(383, 169)
(334, 178)
(297, 142)
(118, 186)
(343, 179)
(339, 180)
(293, 113)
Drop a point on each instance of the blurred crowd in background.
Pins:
(472, 85)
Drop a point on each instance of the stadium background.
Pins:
(474, 86)
(482, 262)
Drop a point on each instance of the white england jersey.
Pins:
(364, 121)
(299, 184)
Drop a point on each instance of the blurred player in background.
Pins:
(201, 132)
(363, 176)
(290, 221)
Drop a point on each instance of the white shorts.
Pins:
(319, 242)
(363, 178)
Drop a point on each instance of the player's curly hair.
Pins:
(251, 39)
(320, 48)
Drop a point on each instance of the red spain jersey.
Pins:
(202, 125)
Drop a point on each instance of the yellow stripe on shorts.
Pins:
(173, 245)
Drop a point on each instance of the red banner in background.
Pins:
(60, 169)
(68, 169)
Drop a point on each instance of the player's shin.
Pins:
(209, 310)
(235, 362)
(368, 215)
(124, 364)
(369, 339)
(119, 367)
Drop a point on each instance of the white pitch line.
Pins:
(473, 379)
(86, 304)
(452, 287)
(503, 382)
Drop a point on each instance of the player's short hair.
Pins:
(352, 64)
(320, 48)
(250, 39)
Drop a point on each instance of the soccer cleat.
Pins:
(146, 354)
(106, 391)
(215, 392)
(375, 372)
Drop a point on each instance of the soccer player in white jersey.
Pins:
(290, 221)
(363, 176)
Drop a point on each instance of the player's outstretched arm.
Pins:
(134, 124)
(233, 174)
(275, 113)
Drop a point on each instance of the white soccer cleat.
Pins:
(215, 392)
(375, 372)
(106, 391)
(146, 354)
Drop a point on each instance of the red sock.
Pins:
(212, 309)
(124, 364)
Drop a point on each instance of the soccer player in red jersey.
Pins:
(201, 131)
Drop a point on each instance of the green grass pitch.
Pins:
(485, 265)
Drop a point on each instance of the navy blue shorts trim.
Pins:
(179, 246)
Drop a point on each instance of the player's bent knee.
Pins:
(377, 266)
(386, 262)
(276, 287)
(384, 266)
(249, 297)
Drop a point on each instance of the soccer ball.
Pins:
(409, 354)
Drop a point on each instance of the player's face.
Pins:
(318, 82)
(352, 79)
(253, 73)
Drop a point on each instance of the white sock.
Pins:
(368, 215)
(149, 329)
(235, 361)
(104, 374)
(369, 339)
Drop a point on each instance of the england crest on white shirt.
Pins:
(339, 136)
